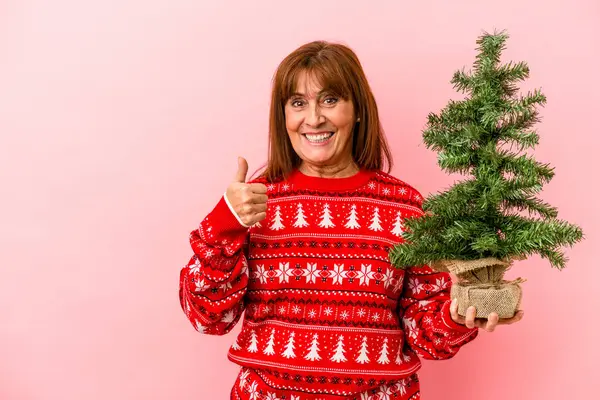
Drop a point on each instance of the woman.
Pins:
(303, 250)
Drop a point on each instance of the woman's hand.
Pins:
(488, 324)
(248, 200)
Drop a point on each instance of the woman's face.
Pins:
(319, 125)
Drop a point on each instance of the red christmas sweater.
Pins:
(325, 311)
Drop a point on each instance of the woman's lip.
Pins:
(316, 133)
(320, 144)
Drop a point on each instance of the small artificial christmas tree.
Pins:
(475, 229)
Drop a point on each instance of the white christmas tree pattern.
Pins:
(269, 350)
(277, 222)
(399, 355)
(338, 355)
(383, 355)
(313, 353)
(398, 227)
(300, 221)
(289, 347)
(326, 221)
(352, 222)
(363, 354)
(375, 221)
(253, 348)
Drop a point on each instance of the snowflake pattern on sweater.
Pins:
(325, 311)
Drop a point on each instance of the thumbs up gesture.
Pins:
(249, 201)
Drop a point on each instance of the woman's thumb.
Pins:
(242, 171)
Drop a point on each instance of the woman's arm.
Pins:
(425, 300)
(430, 330)
(213, 283)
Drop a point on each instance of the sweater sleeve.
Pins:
(213, 283)
(430, 330)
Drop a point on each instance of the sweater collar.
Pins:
(302, 181)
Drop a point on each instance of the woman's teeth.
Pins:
(321, 137)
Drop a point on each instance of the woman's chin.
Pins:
(314, 158)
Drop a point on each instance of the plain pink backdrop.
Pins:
(120, 125)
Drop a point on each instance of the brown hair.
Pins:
(339, 71)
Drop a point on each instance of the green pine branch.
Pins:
(480, 216)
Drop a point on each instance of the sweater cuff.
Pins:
(449, 322)
(224, 221)
(233, 211)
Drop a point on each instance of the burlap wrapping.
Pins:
(502, 298)
(480, 284)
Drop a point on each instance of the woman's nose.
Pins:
(314, 117)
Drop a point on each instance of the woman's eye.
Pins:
(296, 103)
(330, 100)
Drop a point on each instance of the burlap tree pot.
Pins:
(480, 284)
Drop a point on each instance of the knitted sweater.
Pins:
(325, 311)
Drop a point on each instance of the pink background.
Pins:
(120, 124)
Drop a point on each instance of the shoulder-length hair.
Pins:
(337, 68)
